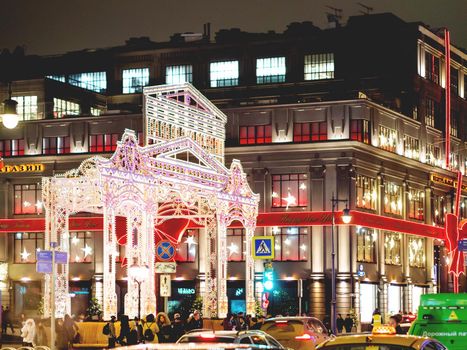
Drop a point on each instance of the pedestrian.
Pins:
(195, 322)
(60, 335)
(28, 332)
(259, 323)
(139, 330)
(124, 330)
(163, 322)
(228, 322)
(71, 330)
(150, 330)
(241, 324)
(40, 338)
(348, 323)
(133, 336)
(375, 319)
(8, 320)
(112, 334)
(177, 328)
(339, 323)
(327, 323)
(394, 321)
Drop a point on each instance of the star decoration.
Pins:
(233, 249)
(289, 200)
(75, 240)
(190, 240)
(25, 254)
(87, 250)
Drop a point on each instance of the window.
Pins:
(61, 78)
(94, 81)
(187, 250)
(431, 111)
(439, 209)
(411, 147)
(63, 108)
(179, 74)
(304, 132)
(236, 244)
(366, 245)
(366, 192)
(319, 66)
(81, 247)
(95, 111)
(433, 155)
(28, 199)
(392, 198)
(250, 135)
(360, 131)
(134, 80)
(463, 208)
(291, 243)
(454, 123)
(387, 138)
(392, 248)
(26, 246)
(432, 67)
(416, 247)
(224, 73)
(270, 70)
(12, 148)
(289, 190)
(103, 143)
(56, 145)
(27, 107)
(416, 204)
(454, 81)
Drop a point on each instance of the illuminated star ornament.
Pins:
(289, 200)
(233, 249)
(190, 240)
(75, 240)
(25, 254)
(87, 250)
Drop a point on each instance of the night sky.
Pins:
(57, 26)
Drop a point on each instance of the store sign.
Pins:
(23, 168)
(166, 267)
(186, 291)
(447, 181)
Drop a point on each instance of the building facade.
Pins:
(356, 112)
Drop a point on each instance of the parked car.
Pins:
(299, 333)
(254, 337)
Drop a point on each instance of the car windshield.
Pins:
(368, 347)
(206, 339)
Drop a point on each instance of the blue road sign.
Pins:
(164, 251)
(44, 267)
(462, 245)
(61, 257)
(263, 247)
(44, 256)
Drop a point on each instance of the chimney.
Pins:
(207, 31)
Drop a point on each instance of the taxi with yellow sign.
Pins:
(382, 338)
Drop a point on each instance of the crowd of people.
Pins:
(32, 333)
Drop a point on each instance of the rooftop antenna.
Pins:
(366, 9)
(335, 16)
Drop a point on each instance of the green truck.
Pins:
(443, 317)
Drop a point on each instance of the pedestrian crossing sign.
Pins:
(263, 247)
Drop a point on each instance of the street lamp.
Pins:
(346, 218)
(138, 273)
(10, 116)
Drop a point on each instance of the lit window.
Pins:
(224, 73)
(28, 199)
(60, 78)
(26, 246)
(392, 198)
(103, 143)
(187, 249)
(95, 111)
(305, 132)
(438, 209)
(63, 108)
(360, 130)
(12, 148)
(463, 208)
(236, 244)
(366, 246)
(94, 81)
(433, 155)
(270, 70)
(432, 67)
(387, 138)
(431, 112)
(56, 145)
(289, 190)
(392, 248)
(319, 66)
(27, 107)
(134, 80)
(291, 243)
(411, 147)
(416, 204)
(179, 74)
(81, 247)
(416, 248)
(258, 134)
(366, 192)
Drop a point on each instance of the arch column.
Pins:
(110, 250)
(222, 300)
(250, 271)
(210, 277)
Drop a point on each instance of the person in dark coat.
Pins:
(196, 322)
(60, 336)
(348, 324)
(339, 323)
(112, 336)
(124, 330)
(163, 322)
(177, 328)
(259, 323)
(228, 322)
(394, 321)
(71, 330)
